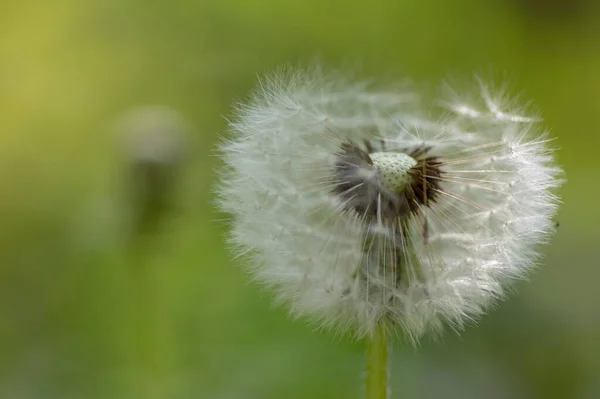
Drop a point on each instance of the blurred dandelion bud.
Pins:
(154, 147)
(154, 134)
(360, 210)
(153, 143)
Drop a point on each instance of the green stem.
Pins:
(377, 363)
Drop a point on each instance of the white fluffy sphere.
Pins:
(357, 208)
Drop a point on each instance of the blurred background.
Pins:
(114, 279)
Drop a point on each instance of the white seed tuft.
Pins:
(358, 209)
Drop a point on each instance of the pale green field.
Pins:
(73, 321)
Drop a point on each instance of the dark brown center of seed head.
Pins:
(359, 186)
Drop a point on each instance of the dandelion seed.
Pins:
(359, 210)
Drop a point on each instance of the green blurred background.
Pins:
(89, 310)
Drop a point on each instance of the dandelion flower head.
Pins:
(358, 207)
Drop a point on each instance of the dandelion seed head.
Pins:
(356, 208)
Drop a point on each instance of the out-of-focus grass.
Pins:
(69, 69)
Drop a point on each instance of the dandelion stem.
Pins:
(377, 363)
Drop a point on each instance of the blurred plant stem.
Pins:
(377, 363)
(150, 335)
(151, 339)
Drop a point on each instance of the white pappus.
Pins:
(359, 209)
